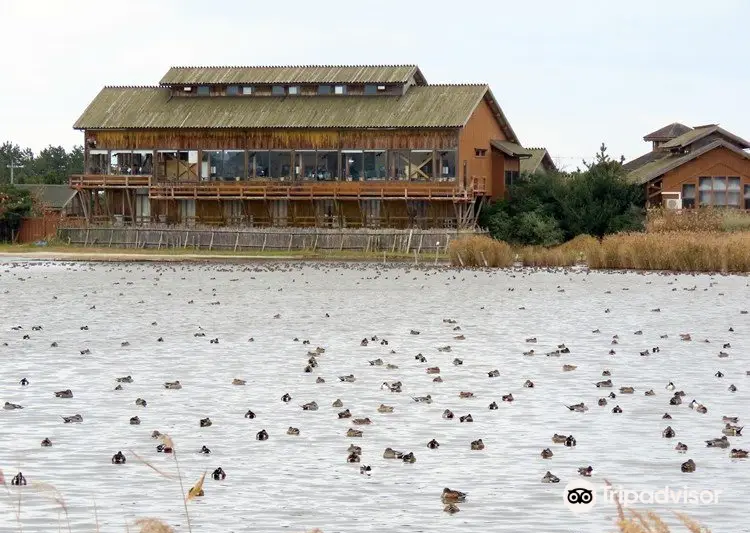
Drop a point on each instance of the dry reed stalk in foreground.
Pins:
(153, 525)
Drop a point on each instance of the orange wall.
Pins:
(717, 162)
(479, 130)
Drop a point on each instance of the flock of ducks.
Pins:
(450, 498)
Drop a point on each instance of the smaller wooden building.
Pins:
(692, 167)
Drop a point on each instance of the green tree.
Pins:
(15, 204)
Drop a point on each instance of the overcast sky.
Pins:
(568, 74)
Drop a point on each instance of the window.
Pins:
(420, 165)
(719, 191)
(204, 90)
(211, 165)
(688, 196)
(511, 177)
(278, 90)
(704, 191)
(371, 89)
(398, 162)
(351, 164)
(233, 90)
(281, 165)
(747, 196)
(247, 90)
(446, 161)
(480, 152)
(326, 165)
(233, 165)
(733, 192)
(375, 164)
(187, 89)
(381, 88)
(304, 164)
(294, 90)
(258, 163)
(340, 89)
(324, 89)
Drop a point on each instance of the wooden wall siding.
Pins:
(375, 139)
(497, 170)
(479, 130)
(717, 162)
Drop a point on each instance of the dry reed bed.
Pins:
(697, 220)
(673, 251)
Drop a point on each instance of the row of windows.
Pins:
(283, 90)
(716, 191)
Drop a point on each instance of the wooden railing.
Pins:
(103, 181)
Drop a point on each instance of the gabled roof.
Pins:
(657, 167)
(510, 148)
(429, 106)
(51, 196)
(539, 158)
(293, 74)
(701, 132)
(667, 132)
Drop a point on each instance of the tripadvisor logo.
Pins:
(579, 496)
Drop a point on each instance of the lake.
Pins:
(295, 483)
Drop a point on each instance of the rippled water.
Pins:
(297, 483)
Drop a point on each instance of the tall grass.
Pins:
(671, 251)
(697, 220)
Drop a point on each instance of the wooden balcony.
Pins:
(102, 181)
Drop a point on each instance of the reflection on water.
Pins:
(294, 483)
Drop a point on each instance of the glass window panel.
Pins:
(247, 90)
(720, 191)
(97, 163)
(375, 167)
(340, 89)
(398, 165)
(143, 162)
(371, 89)
(278, 90)
(352, 164)
(259, 163)
(233, 165)
(446, 161)
(324, 89)
(420, 167)
(304, 165)
(281, 165)
(733, 192)
(747, 196)
(293, 90)
(327, 165)
(233, 90)
(212, 164)
(187, 166)
(204, 90)
(120, 162)
(167, 164)
(704, 191)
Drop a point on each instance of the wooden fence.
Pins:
(40, 228)
(262, 239)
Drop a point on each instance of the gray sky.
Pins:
(568, 74)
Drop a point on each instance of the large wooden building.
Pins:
(693, 167)
(301, 145)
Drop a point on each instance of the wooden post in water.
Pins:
(415, 257)
(408, 242)
(87, 237)
(236, 240)
(437, 250)
(483, 258)
(136, 238)
(289, 248)
(460, 261)
(265, 237)
(161, 236)
(111, 234)
(211, 244)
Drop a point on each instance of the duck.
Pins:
(409, 458)
(463, 394)
(611, 396)
(205, 450)
(433, 370)
(493, 406)
(46, 443)
(451, 508)
(12, 406)
(421, 358)
(319, 380)
(617, 409)
(422, 399)
(172, 385)
(730, 419)
(606, 373)
(156, 434)
(666, 416)
(675, 400)
(452, 496)
(477, 445)
(206, 422)
(351, 432)
(569, 368)
(390, 453)
(365, 470)
(286, 398)
(719, 374)
(24, 382)
(723, 442)
(668, 432)
(458, 362)
(354, 449)
(586, 471)
(601, 402)
(578, 408)
(18, 480)
(547, 453)
(558, 438)
(681, 447)
(445, 349)
(433, 444)
(604, 384)
(376, 362)
(134, 421)
(549, 477)
(310, 406)
(219, 474)
(466, 418)
(414, 332)
(570, 441)
(649, 392)
(118, 459)
(529, 353)
(385, 408)
(688, 466)
(448, 414)
(72, 419)
(249, 414)
(345, 414)
(337, 403)
(348, 379)
(493, 373)
(732, 431)
(438, 379)
(393, 387)
(361, 421)
(732, 388)
(261, 435)
(237, 381)
(507, 398)
(531, 340)
(627, 390)
(118, 387)
(528, 384)
(163, 448)
(737, 453)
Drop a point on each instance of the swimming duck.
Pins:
(737, 453)
(493, 406)
(134, 421)
(337, 403)
(529, 353)
(601, 402)
(376, 362)
(348, 379)
(422, 399)
(547, 453)
(155, 434)
(688, 466)
(409, 458)
(118, 387)
(46, 443)
(528, 384)
(433, 444)
(477, 445)
(438, 379)
(458, 362)
(578, 408)
(72, 419)
(249, 414)
(732, 431)
(570, 441)
(118, 459)
(549, 477)
(172, 385)
(569, 368)
(563, 348)
(559, 438)
(465, 394)
(365, 470)
(730, 419)
(351, 432)
(719, 374)
(237, 381)
(390, 453)
(445, 349)
(723, 442)
(723, 355)
(219, 474)
(675, 400)
(205, 450)
(12, 406)
(448, 414)
(617, 409)
(666, 416)
(681, 447)
(668, 433)
(604, 384)
(24, 382)
(452, 496)
(414, 332)
(385, 408)
(354, 449)
(205, 422)
(685, 337)
(507, 398)
(627, 390)
(312, 362)
(732, 388)
(163, 448)
(466, 418)
(364, 342)
(451, 508)
(421, 358)
(611, 396)
(310, 406)
(286, 398)
(493, 373)
(261, 435)
(18, 480)
(433, 370)
(586, 471)
(319, 380)
(531, 340)
(345, 414)
(308, 369)
(141, 402)
(361, 421)
(353, 458)
(606, 373)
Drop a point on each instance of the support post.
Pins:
(211, 244)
